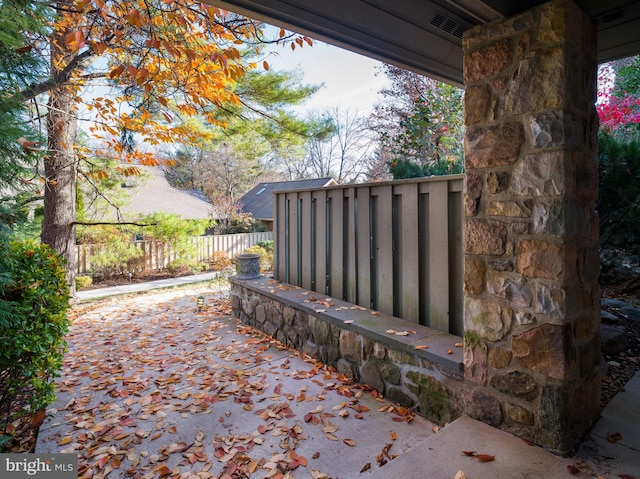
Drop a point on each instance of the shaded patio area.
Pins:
(153, 388)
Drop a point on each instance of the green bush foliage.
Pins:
(618, 206)
(118, 254)
(619, 194)
(177, 232)
(83, 282)
(267, 245)
(34, 298)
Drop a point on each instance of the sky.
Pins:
(350, 79)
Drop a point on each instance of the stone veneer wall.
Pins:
(531, 255)
(400, 372)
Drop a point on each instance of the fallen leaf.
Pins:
(613, 438)
(349, 442)
(366, 467)
(348, 321)
(460, 475)
(485, 457)
(459, 345)
(572, 469)
(393, 435)
(316, 455)
(449, 351)
(469, 453)
(421, 346)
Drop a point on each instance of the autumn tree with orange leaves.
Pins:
(167, 59)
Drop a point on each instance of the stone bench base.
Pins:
(420, 367)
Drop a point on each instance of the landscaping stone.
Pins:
(614, 339)
(631, 312)
(606, 316)
(613, 303)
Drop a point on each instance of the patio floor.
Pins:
(153, 388)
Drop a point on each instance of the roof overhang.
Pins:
(425, 35)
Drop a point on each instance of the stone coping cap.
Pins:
(442, 348)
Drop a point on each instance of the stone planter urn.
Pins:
(248, 266)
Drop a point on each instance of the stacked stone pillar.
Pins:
(532, 299)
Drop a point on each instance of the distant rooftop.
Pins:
(259, 200)
(157, 196)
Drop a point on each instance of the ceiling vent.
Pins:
(448, 25)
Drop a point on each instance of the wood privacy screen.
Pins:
(395, 247)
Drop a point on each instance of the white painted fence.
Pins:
(157, 254)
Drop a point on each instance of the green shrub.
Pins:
(113, 258)
(83, 282)
(619, 194)
(267, 245)
(34, 298)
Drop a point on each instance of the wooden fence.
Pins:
(158, 255)
(395, 247)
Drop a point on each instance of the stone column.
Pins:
(532, 301)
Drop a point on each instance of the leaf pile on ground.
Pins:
(154, 388)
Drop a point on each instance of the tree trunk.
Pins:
(58, 229)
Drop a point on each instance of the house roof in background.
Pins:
(156, 195)
(259, 200)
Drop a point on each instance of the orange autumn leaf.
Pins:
(65, 440)
(484, 457)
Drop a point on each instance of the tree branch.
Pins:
(112, 223)
(60, 78)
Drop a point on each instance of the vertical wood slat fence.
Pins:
(158, 255)
(395, 247)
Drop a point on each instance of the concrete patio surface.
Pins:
(154, 388)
